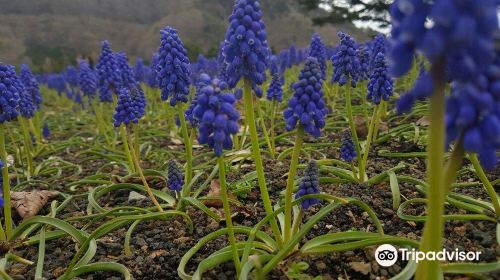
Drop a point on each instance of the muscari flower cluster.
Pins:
(203, 80)
(307, 107)
(472, 110)
(45, 131)
(309, 184)
(347, 149)
(108, 73)
(380, 86)
(31, 85)
(87, 79)
(379, 44)
(9, 93)
(71, 75)
(57, 82)
(461, 39)
(245, 49)
(345, 62)
(275, 90)
(364, 63)
(151, 73)
(175, 176)
(131, 106)
(173, 67)
(217, 117)
(139, 70)
(126, 72)
(317, 50)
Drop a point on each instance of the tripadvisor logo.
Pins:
(387, 255)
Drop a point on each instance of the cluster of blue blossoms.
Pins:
(245, 49)
(31, 85)
(9, 93)
(173, 68)
(87, 79)
(317, 50)
(108, 73)
(461, 42)
(347, 149)
(364, 63)
(126, 72)
(309, 184)
(275, 90)
(307, 107)
(203, 80)
(45, 131)
(131, 106)
(26, 105)
(217, 117)
(345, 62)
(380, 86)
(57, 82)
(379, 44)
(175, 177)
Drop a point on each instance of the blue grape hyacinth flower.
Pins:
(347, 149)
(218, 117)
(131, 106)
(45, 131)
(71, 75)
(31, 85)
(379, 44)
(175, 176)
(139, 70)
(57, 82)
(108, 73)
(173, 67)
(345, 62)
(473, 110)
(309, 184)
(9, 93)
(245, 48)
(307, 107)
(275, 90)
(380, 87)
(317, 50)
(26, 105)
(87, 79)
(126, 72)
(364, 63)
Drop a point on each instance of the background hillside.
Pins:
(49, 34)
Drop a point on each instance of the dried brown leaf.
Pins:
(214, 195)
(28, 204)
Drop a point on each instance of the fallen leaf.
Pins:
(361, 127)
(157, 253)
(361, 267)
(214, 195)
(28, 204)
(424, 121)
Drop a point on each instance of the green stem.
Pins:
(126, 148)
(139, 169)
(227, 213)
(291, 179)
(263, 127)
(365, 103)
(189, 150)
(486, 183)
(6, 184)
(99, 118)
(273, 133)
(27, 145)
(137, 147)
(434, 227)
(354, 134)
(297, 221)
(250, 122)
(368, 142)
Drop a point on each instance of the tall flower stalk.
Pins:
(173, 72)
(306, 113)
(245, 52)
(462, 52)
(10, 99)
(218, 121)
